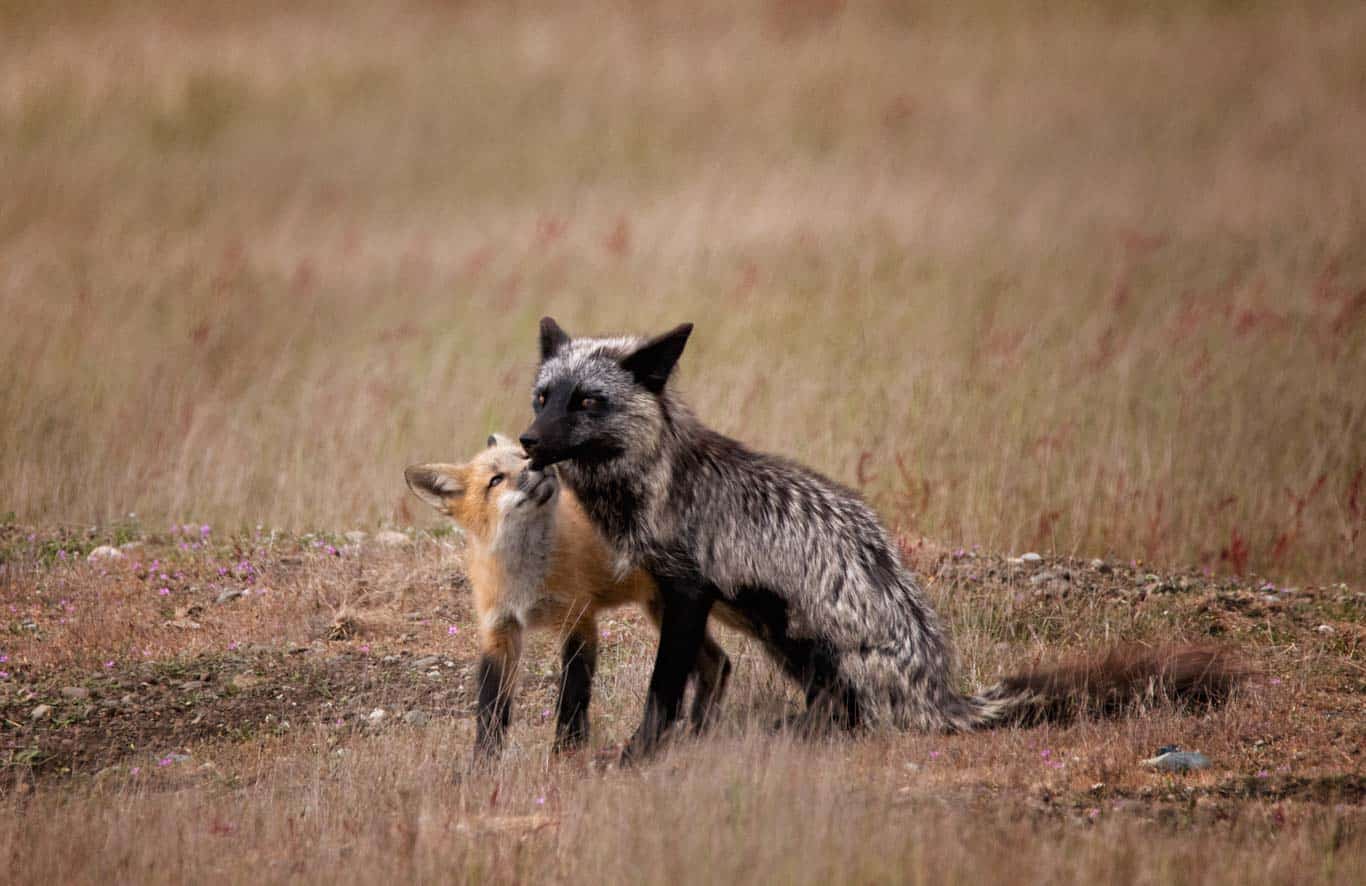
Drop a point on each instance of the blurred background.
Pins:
(1068, 276)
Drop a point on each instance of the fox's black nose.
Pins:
(529, 442)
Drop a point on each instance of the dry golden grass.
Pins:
(1083, 277)
(285, 777)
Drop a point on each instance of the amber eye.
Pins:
(495, 480)
(540, 399)
(590, 402)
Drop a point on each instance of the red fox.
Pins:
(535, 561)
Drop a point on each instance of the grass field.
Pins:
(1086, 279)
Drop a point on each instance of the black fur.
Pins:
(578, 662)
(495, 708)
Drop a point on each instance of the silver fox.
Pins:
(799, 561)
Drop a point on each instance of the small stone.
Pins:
(1101, 566)
(1326, 629)
(1173, 759)
(391, 659)
(416, 718)
(427, 662)
(105, 552)
(228, 596)
(192, 685)
(40, 712)
(391, 538)
(75, 693)
(128, 699)
(129, 546)
(1041, 577)
(377, 715)
(356, 536)
(1031, 559)
(245, 681)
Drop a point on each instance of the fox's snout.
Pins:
(539, 486)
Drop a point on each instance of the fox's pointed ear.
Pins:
(496, 439)
(436, 484)
(552, 338)
(653, 361)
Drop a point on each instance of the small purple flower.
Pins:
(4, 656)
(165, 761)
(365, 647)
(540, 801)
(109, 664)
(934, 755)
(204, 530)
(1262, 773)
(1275, 681)
(233, 645)
(135, 770)
(452, 630)
(164, 591)
(61, 555)
(4, 675)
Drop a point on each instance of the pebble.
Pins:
(429, 661)
(1326, 629)
(1101, 566)
(105, 552)
(245, 681)
(40, 712)
(391, 538)
(76, 693)
(356, 536)
(377, 715)
(416, 718)
(228, 596)
(192, 685)
(1173, 759)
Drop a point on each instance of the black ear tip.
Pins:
(548, 324)
(492, 441)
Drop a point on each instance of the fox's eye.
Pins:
(495, 480)
(539, 400)
(590, 403)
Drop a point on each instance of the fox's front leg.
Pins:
(682, 629)
(578, 662)
(502, 646)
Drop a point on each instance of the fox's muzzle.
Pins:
(541, 446)
(539, 486)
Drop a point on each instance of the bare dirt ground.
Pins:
(314, 647)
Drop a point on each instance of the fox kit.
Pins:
(797, 559)
(535, 561)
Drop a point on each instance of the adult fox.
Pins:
(535, 561)
(799, 560)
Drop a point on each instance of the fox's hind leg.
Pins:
(578, 662)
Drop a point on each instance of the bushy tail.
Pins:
(1108, 685)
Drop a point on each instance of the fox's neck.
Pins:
(627, 497)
